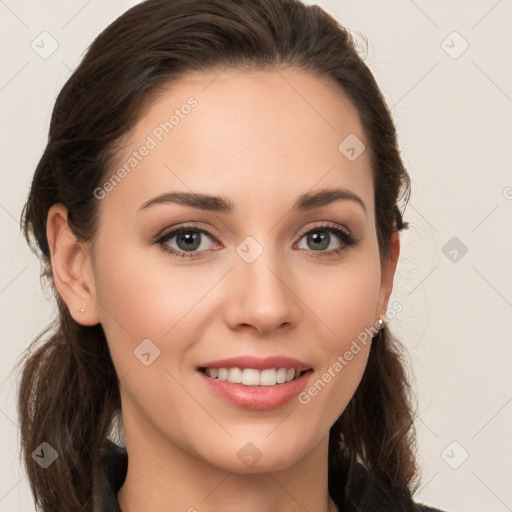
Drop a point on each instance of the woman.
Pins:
(196, 157)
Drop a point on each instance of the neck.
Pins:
(163, 477)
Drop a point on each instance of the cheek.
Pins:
(345, 299)
(139, 300)
(348, 314)
(347, 310)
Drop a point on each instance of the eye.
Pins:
(189, 239)
(320, 239)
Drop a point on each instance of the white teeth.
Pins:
(252, 377)
(281, 375)
(235, 375)
(268, 377)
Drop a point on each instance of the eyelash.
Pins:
(347, 240)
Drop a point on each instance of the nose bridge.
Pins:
(263, 297)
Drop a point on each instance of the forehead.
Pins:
(249, 131)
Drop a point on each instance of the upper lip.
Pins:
(258, 363)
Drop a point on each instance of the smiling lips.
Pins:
(256, 383)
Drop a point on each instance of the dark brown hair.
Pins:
(69, 390)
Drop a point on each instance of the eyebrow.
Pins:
(305, 202)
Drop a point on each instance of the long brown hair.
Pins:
(69, 390)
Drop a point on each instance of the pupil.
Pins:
(190, 239)
(319, 238)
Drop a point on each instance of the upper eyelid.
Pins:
(323, 224)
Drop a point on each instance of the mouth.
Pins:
(253, 377)
(256, 389)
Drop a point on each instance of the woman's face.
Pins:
(265, 278)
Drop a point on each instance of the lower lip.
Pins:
(257, 397)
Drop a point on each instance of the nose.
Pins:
(261, 295)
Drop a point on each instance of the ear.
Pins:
(72, 270)
(388, 274)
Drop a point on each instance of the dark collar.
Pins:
(356, 490)
(113, 473)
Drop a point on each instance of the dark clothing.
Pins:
(358, 492)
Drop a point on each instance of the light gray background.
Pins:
(453, 112)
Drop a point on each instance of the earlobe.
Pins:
(71, 266)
